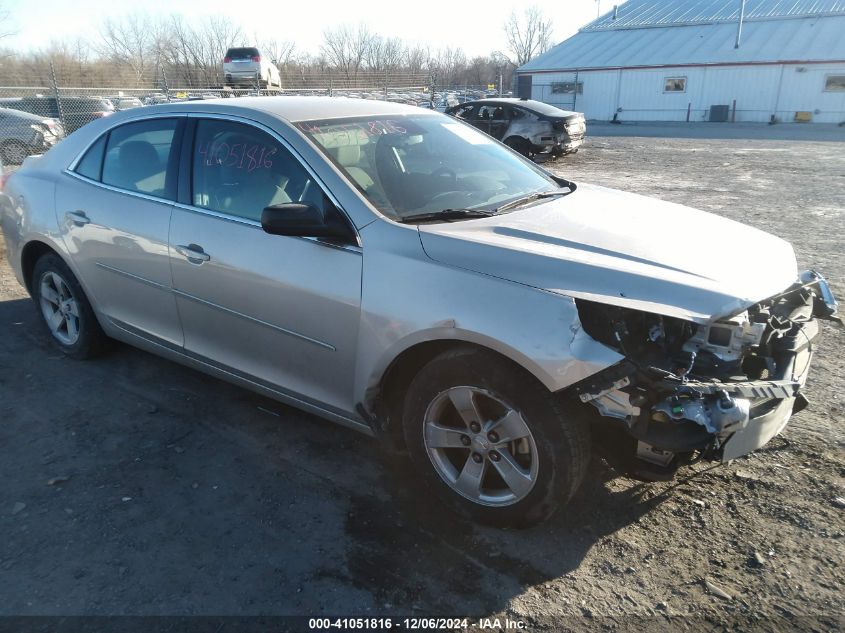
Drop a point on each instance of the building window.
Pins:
(675, 84)
(567, 88)
(834, 83)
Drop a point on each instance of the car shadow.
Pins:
(462, 567)
(143, 449)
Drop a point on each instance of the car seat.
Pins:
(349, 157)
(138, 168)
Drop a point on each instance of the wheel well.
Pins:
(32, 252)
(389, 398)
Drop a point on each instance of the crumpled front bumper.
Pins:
(722, 417)
(772, 401)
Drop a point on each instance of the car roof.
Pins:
(530, 104)
(20, 114)
(295, 109)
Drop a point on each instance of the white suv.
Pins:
(247, 65)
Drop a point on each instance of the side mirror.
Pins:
(300, 219)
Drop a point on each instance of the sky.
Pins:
(476, 27)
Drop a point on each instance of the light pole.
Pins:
(500, 59)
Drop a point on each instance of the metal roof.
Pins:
(694, 32)
(650, 13)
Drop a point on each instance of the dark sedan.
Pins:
(529, 127)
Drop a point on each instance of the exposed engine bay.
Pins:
(714, 391)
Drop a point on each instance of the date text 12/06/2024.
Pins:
(415, 624)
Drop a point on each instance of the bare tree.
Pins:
(282, 51)
(128, 41)
(346, 47)
(5, 21)
(385, 54)
(138, 50)
(450, 66)
(194, 53)
(528, 35)
(417, 58)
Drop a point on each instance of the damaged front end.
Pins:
(715, 391)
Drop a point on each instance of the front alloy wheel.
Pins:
(491, 440)
(480, 446)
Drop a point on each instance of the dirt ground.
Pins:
(183, 495)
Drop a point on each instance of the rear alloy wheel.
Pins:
(491, 441)
(65, 309)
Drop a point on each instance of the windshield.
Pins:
(407, 165)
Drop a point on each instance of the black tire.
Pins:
(559, 432)
(14, 152)
(91, 339)
(519, 144)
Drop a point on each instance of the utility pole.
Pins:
(432, 86)
(57, 96)
(739, 26)
(598, 9)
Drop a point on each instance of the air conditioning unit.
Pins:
(719, 113)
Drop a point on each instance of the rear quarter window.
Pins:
(91, 164)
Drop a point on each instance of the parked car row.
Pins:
(75, 111)
(529, 127)
(126, 103)
(23, 134)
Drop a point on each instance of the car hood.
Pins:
(622, 249)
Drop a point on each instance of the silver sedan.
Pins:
(401, 273)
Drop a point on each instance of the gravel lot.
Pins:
(182, 495)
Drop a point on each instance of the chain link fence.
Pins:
(40, 108)
(36, 112)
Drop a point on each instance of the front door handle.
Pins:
(77, 218)
(193, 253)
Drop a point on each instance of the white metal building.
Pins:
(672, 60)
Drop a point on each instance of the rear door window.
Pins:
(487, 112)
(139, 158)
(467, 112)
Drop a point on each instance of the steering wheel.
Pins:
(445, 172)
(460, 197)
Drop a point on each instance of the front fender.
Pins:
(408, 299)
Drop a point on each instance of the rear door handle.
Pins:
(77, 218)
(193, 253)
